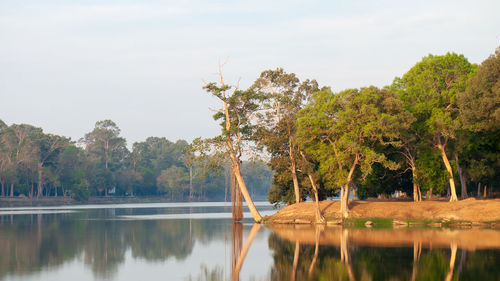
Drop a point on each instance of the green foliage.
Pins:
(80, 193)
(346, 130)
(430, 170)
(480, 102)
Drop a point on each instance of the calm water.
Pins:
(199, 241)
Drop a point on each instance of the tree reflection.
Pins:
(350, 254)
(31, 242)
(239, 259)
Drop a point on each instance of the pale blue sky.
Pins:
(66, 64)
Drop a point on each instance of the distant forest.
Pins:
(36, 164)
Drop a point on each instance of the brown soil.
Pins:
(463, 210)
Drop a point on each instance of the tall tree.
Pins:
(283, 97)
(105, 147)
(430, 92)
(344, 130)
(235, 116)
(480, 114)
(49, 146)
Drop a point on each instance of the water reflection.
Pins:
(386, 254)
(219, 249)
(31, 243)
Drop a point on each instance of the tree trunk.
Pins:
(244, 191)
(39, 185)
(294, 173)
(344, 253)
(344, 200)
(453, 256)
(344, 190)
(484, 195)
(12, 190)
(3, 190)
(319, 216)
(316, 250)
(251, 236)
(236, 200)
(190, 182)
(453, 197)
(295, 260)
(416, 197)
(237, 242)
(479, 190)
(463, 183)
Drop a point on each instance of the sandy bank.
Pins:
(465, 210)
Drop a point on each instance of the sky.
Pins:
(66, 64)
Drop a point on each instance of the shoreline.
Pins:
(6, 202)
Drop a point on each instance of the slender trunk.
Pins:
(293, 168)
(453, 197)
(417, 249)
(32, 189)
(40, 185)
(430, 193)
(226, 183)
(236, 200)
(251, 236)
(419, 193)
(316, 250)
(344, 200)
(484, 195)
(319, 216)
(3, 190)
(237, 242)
(12, 190)
(463, 183)
(295, 260)
(344, 253)
(190, 183)
(244, 191)
(344, 191)
(452, 262)
(479, 190)
(416, 192)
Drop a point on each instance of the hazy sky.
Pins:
(66, 64)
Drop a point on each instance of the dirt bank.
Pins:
(464, 210)
(6, 202)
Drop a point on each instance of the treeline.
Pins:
(36, 164)
(433, 132)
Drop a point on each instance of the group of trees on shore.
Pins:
(35, 164)
(431, 130)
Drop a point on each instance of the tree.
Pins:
(479, 104)
(283, 97)
(430, 92)
(343, 132)
(106, 149)
(479, 108)
(235, 115)
(172, 180)
(49, 147)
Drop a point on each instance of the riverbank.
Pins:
(469, 210)
(56, 201)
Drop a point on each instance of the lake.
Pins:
(199, 241)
